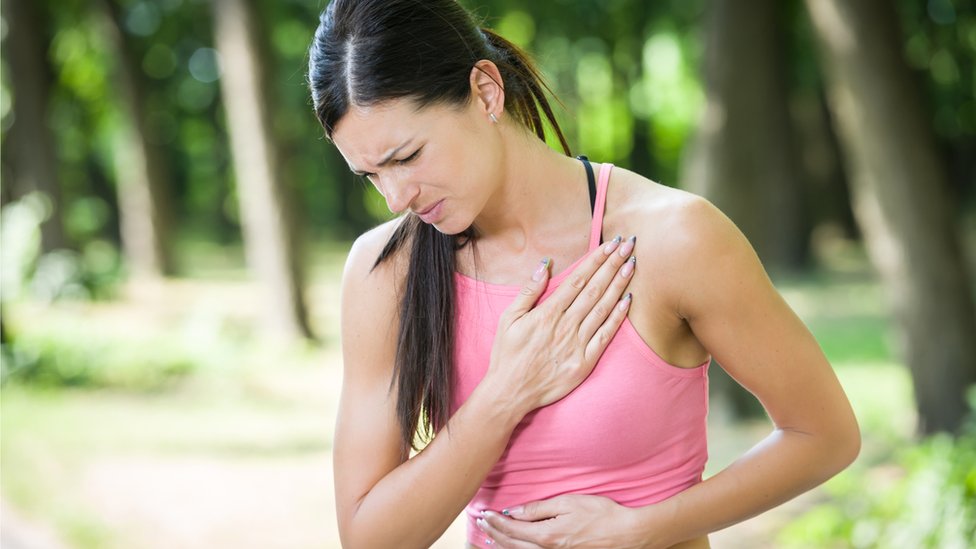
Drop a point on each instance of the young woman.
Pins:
(558, 410)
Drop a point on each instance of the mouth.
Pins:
(433, 213)
(428, 209)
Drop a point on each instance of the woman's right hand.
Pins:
(541, 353)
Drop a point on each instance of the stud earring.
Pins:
(493, 118)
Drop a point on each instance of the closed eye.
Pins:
(410, 158)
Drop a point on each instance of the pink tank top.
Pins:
(634, 431)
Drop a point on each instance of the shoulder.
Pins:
(687, 244)
(673, 222)
(366, 249)
(370, 289)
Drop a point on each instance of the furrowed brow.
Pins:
(386, 158)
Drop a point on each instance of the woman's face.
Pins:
(439, 162)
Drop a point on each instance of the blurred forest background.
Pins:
(174, 228)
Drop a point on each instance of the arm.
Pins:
(717, 285)
(386, 500)
(735, 312)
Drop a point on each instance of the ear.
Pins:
(488, 88)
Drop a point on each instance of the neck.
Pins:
(541, 197)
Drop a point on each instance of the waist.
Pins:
(697, 543)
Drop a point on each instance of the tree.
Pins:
(743, 158)
(270, 233)
(142, 181)
(901, 201)
(30, 143)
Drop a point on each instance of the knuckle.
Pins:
(527, 291)
(578, 281)
(592, 293)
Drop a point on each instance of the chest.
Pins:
(630, 385)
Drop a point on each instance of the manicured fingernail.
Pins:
(489, 541)
(609, 247)
(481, 524)
(541, 271)
(628, 246)
(513, 512)
(625, 302)
(628, 267)
(506, 512)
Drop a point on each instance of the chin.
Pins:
(450, 227)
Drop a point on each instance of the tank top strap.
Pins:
(596, 228)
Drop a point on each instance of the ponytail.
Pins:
(529, 93)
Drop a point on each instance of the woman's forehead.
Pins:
(371, 131)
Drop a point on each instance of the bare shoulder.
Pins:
(688, 240)
(670, 223)
(367, 248)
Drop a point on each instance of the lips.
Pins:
(428, 210)
(432, 213)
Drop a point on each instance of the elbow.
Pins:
(851, 447)
(845, 445)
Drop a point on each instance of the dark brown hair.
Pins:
(368, 51)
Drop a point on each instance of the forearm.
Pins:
(782, 466)
(415, 503)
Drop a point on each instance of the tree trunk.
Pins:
(827, 193)
(901, 202)
(743, 158)
(33, 155)
(142, 180)
(270, 236)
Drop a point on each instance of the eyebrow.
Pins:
(386, 159)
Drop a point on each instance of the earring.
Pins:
(493, 118)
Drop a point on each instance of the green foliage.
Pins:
(84, 358)
(94, 272)
(926, 499)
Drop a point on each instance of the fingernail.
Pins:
(514, 511)
(506, 512)
(541, 271)
(628, 246)
(609, 247)
(625, 302)
(481, 524)
(628, 267)
(489, 541)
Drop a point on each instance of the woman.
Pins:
(552, 396)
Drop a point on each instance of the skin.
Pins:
(701, 291)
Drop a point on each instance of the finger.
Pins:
(564, 296)
(598, 313)
(599, 283)
(507, 533)
(605, 333)
(537, 510)
(530, 293)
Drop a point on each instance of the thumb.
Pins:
(530, 293)
(535, 511)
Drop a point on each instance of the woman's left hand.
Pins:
(564, 521)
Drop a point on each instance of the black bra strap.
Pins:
(590, 181)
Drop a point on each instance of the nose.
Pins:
(399, 194)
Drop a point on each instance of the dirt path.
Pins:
(19, 532)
